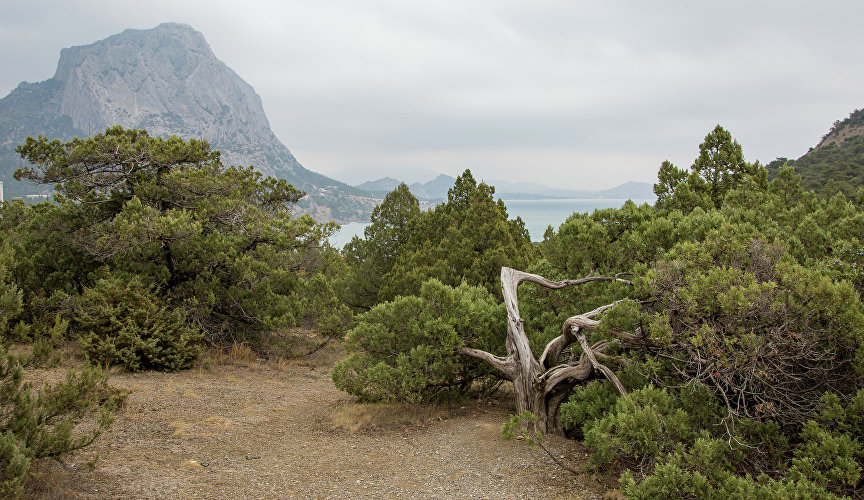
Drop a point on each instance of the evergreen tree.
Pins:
(468, 239)
(719, 168)
(371, 258)
(219, 242)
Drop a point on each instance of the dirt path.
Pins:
(281, 430)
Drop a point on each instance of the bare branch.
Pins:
(505, 365)
(520, 276)
(571, 325)
(561, 373)
(540, 387)
(600, 367)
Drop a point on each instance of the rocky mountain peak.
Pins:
(168, 81)
(844, 129)
(174, 40)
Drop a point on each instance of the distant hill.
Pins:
(836, 163)
(380, 187)
(436, 190)
(168, 81)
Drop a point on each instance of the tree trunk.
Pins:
(541, 386)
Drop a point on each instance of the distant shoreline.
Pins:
(537, 214)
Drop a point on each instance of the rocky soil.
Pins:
(246, 428)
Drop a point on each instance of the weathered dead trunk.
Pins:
(541, 385)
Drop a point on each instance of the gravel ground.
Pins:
(256, 429)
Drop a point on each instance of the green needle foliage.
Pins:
(129, 324)
(52, 422)
(164, 245)
(748, 293)
(371, 258)
(405, 350)
(467, 239)
(10, 294)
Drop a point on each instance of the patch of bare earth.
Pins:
(255, 429)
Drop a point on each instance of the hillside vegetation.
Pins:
(836, 164)
(714, 346)
(738, 341)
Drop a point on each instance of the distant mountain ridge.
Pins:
(837, 161)
(168, 81)
(436, 189)
(853, 126)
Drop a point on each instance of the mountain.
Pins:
(628, 190)
(380, 187)
(436, 190)
(837, 161)
(168, 81)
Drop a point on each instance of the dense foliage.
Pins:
(417, 274)
(467, 239)
(51, 422)
(746, 379)
(753, 318)
(404, 350)
(371, 258)
(152, 244)
(128, 324)
(834, 166)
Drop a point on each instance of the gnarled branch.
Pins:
(598, 366)
(505, 365)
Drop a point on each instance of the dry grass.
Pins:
(358, 417)
(241, 355)
(236, 355)
(239, 426)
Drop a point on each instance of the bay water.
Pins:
(537, 215)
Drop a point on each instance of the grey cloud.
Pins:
(491, 83)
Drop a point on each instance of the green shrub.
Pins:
(702, 472)
(10, 294)
(221, 241)
(829, 460)
(129, 324)
(46, 423)
(46, 339)
(642, 425)
(586, 404)
(825, 461)
(405, 350)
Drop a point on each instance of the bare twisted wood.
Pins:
(540, 385)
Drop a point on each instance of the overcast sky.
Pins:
(567, 93)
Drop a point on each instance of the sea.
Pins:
(537, 215)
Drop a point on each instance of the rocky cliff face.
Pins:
(168, 81)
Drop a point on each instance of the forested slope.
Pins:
(710, 345)
(736, 343)
(836, 164)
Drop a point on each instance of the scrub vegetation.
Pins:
(710, 345)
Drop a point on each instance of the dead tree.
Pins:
(541, 385)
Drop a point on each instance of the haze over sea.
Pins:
(537, 215)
